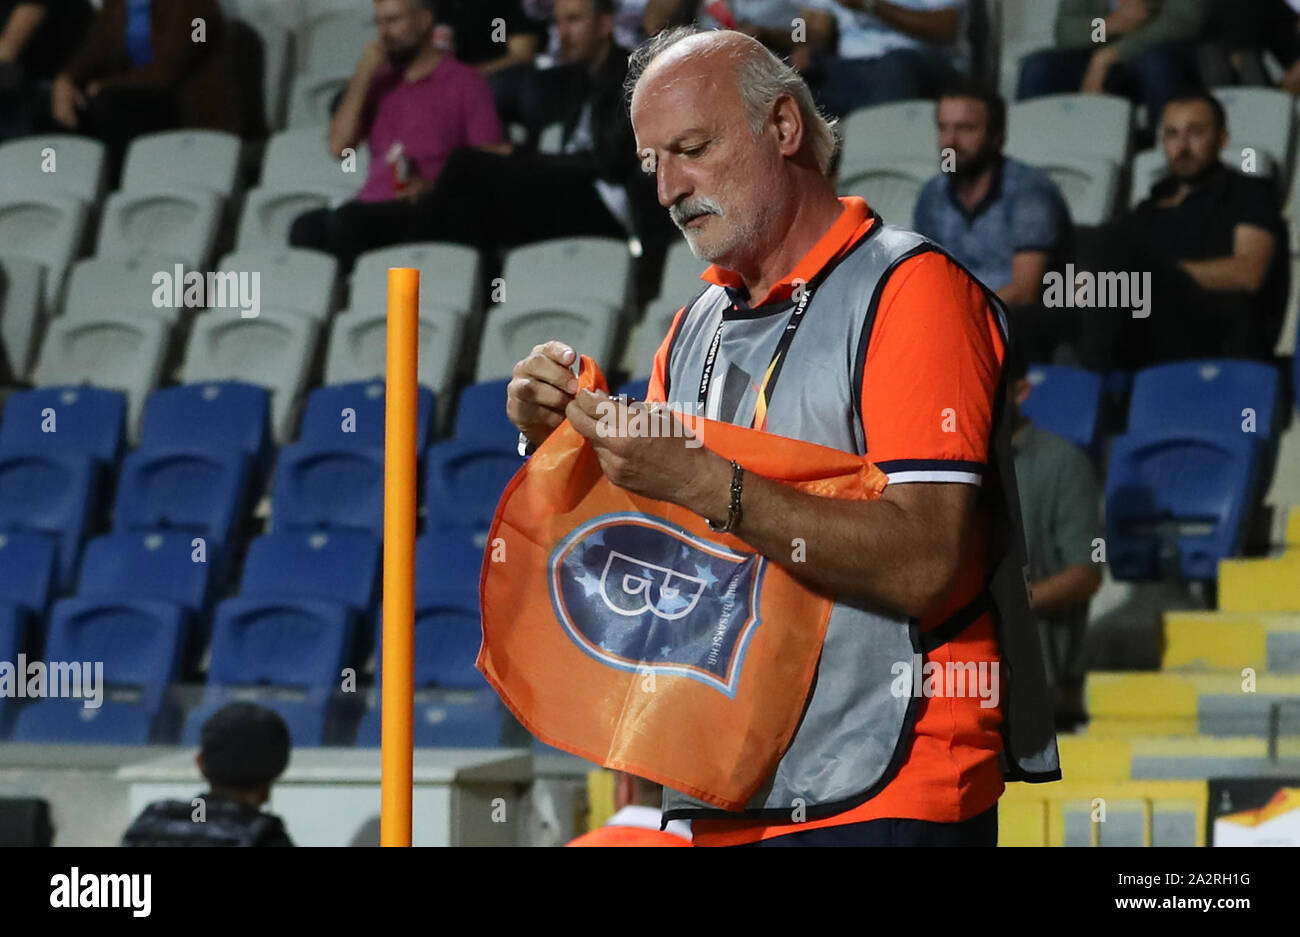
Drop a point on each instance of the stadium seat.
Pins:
(52, 493)
(358, 348)
(328, 487)
(551, 139)
(905, 129)
(481, 414)
(682, 272)
(635, 390)
(154, 564)
(1262, 118)
(45, 228)
(561, 270)
(334, 36)
(1148, 168)
(119, 285)
(302, 158)
(464, 479)
(312, 95)
(1065, 401)
(274, 351)
(1209, 397)
(512, 330)
(1026, 26)
(113, 351)
(219, 417)
(328, 565)
(82, 420)
(449, 277)
(199, 493)
(1177, 497)
(22, 298)
(290, 278)
(180, 223)
(140, 643)
(1090, 185)
(448, 719)
(59, 164)
(206, 159)
(27, 572)
(269, 211)
(353, 415)
(648, 334)
(1080, 125)
(891, 188)
(448, 630)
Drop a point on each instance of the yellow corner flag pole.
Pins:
(399, 558)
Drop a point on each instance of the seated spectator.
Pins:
(1060, 511)
(140, 71)
(889, 50)
(638, 817)
(1146, 54)
(595, 187)
(1214, 244)
(1240, 33)
(414, 104)
(243, 749)
(37, 37)
(1003, 220)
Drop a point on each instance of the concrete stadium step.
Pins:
(1113, 813)
(1218, 704)
(1257, 585)
(1266, 641)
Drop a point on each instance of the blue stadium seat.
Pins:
(464, 479)
(1184, 495)
(317, 487)
(53, 493)
(481, 414)
(204, 493)
(13, 641)
(84, 420)
(636, 390)
(1204, 398)
(448, 719)
(1065, 401)
(266, 641)
(335, 565)
(140, 643)
(222, 417)
(325, 423)
(27, 572)
(448, 628)
(151, 564)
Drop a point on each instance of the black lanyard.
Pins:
(774, 366)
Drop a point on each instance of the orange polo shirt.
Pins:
(928, 388)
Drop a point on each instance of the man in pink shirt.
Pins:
(415, 104)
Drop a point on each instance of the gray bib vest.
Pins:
(854, 733)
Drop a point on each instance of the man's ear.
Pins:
(789, 124)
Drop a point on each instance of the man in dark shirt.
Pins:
(37, 37)
(243, 749)
(1215, 246)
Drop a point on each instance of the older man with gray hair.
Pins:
(819, 322)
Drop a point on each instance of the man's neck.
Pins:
(423, 65)
(812, 218)
(974, 190)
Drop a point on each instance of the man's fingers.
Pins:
(542, 366)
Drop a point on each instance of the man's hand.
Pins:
(1094, 81)
(540, 388)
(414, 188)
(372, 56)
(65, 100)
(656, 464)
(500, 149)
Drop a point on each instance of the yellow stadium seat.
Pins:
(1260, 584)
(1222, 640)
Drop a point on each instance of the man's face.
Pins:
(404, 29)
(964, 128)
(583, 32)
(1192, 138)
(719, 182)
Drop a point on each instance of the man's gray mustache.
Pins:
(684, 211)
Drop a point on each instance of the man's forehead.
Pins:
(683, 94)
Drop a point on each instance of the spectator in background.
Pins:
(491, 35)
(889, 50)
(1144, 51)
(1060, 510)
(1005, 221)
(771, 22)
(142, 69)
(1215, 245)
(243, 749)
(414, 104)
(637, 818)
(37, 37)
(1240, 33)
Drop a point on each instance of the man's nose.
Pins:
(671, 184)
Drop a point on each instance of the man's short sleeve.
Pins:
(1036, 217)
(930, 376)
